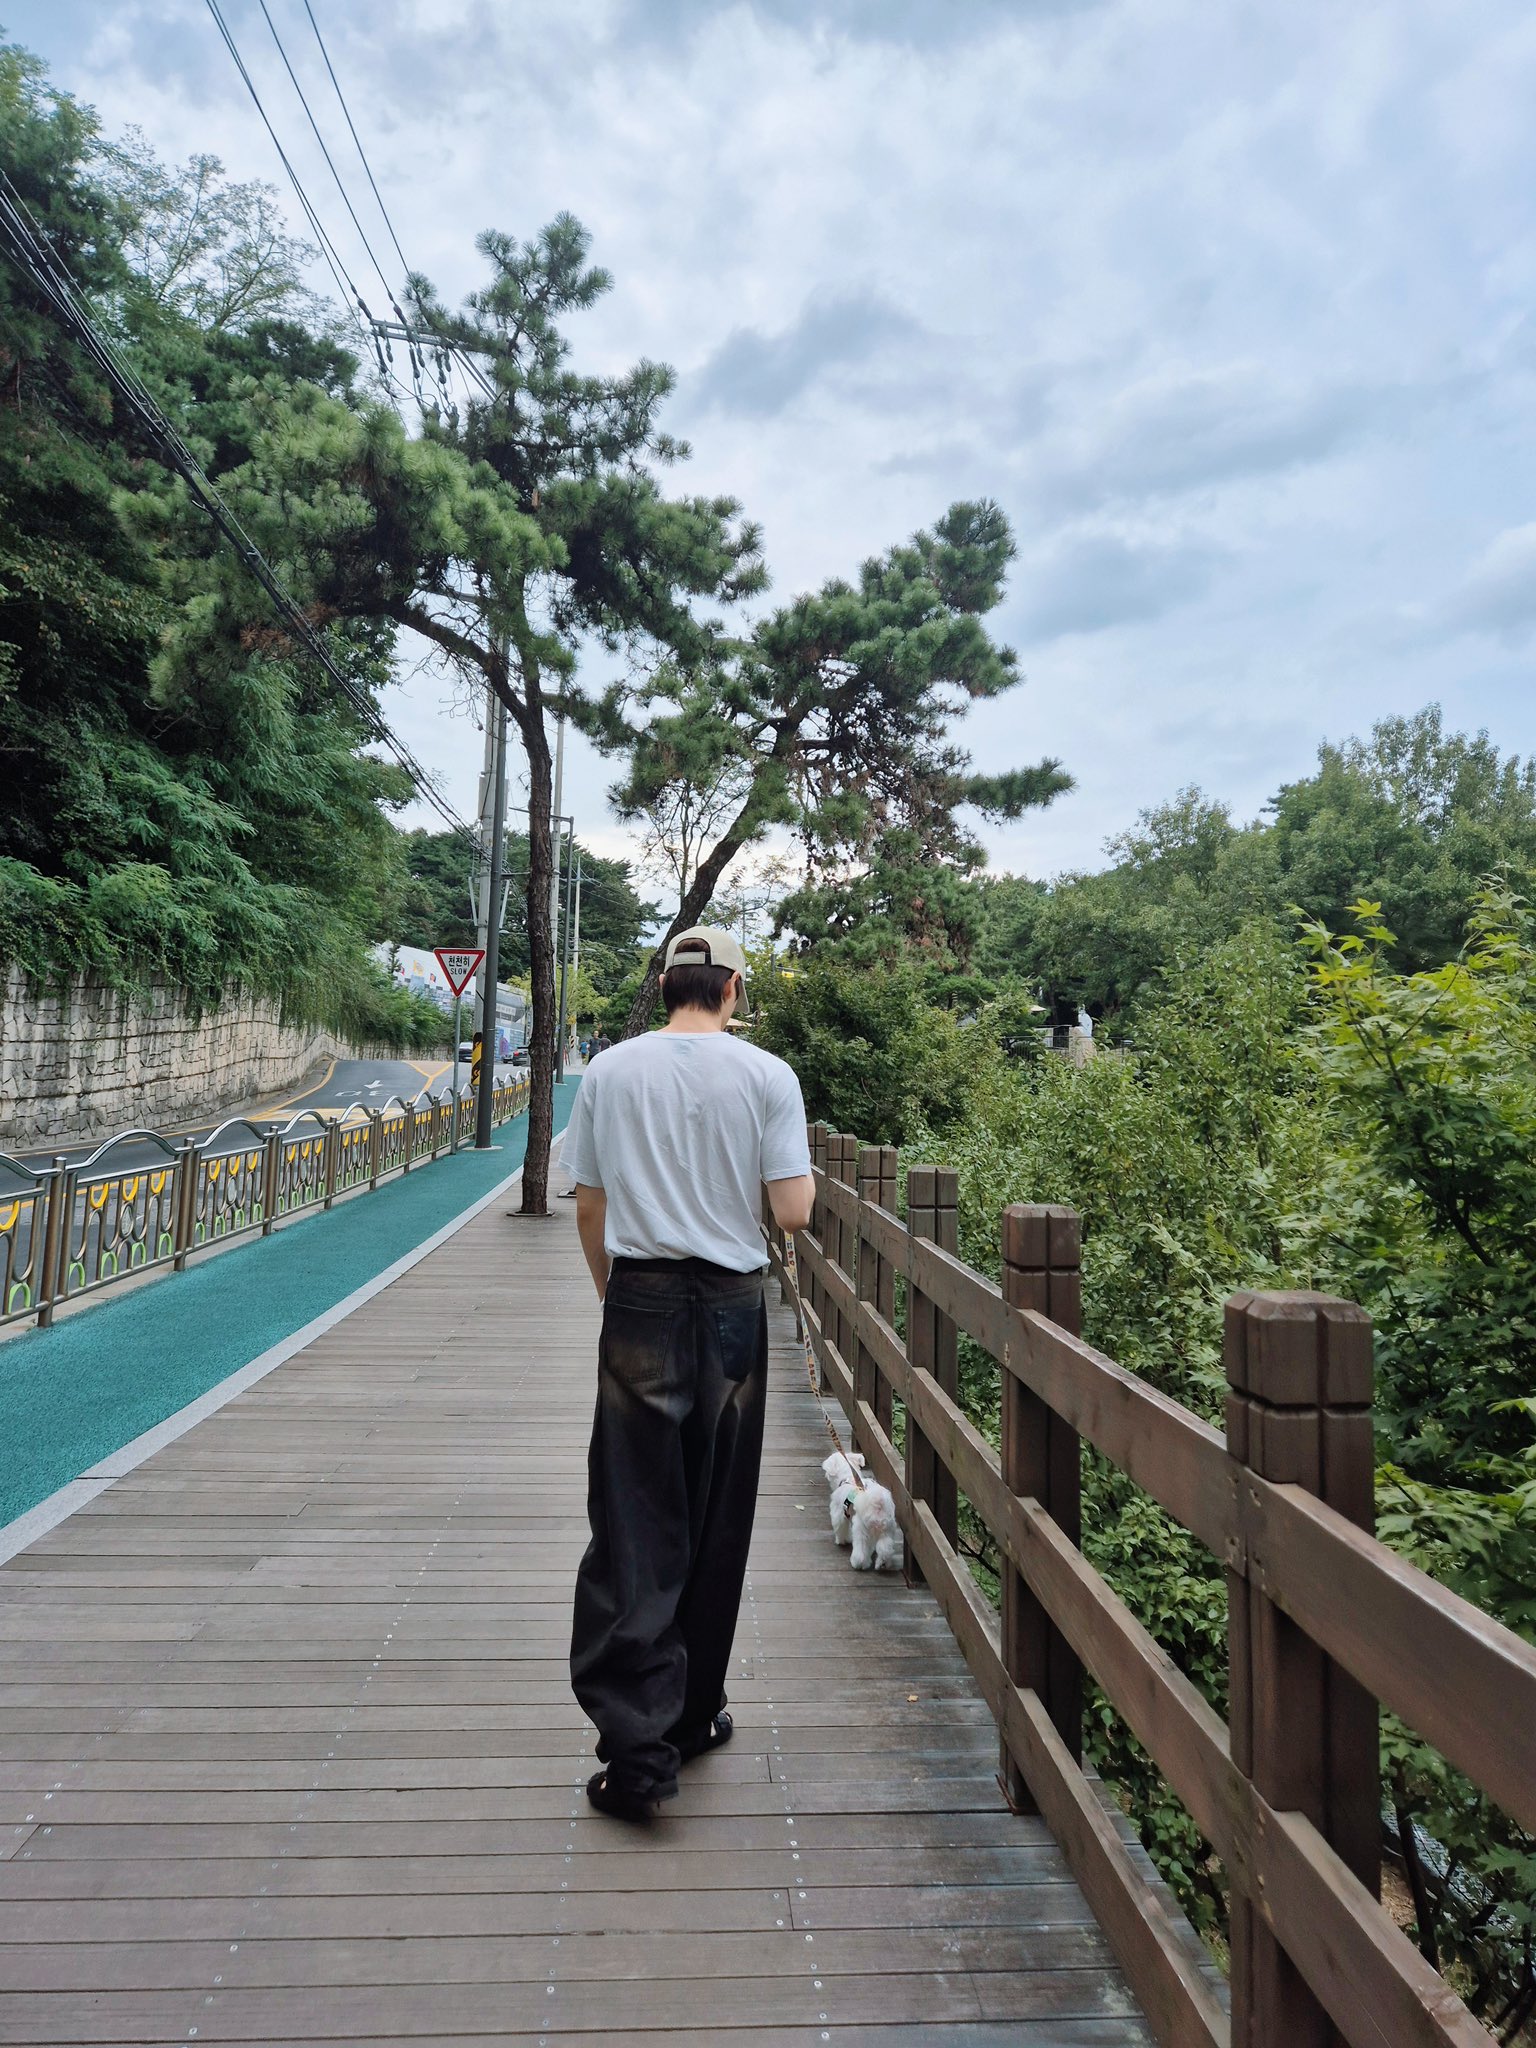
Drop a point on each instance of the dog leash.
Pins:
(792, 1274)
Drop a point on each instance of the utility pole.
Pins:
(554, 883)
(485, 1096)
(486, 822)
(493, 835)
(572, 882)
(491, 906)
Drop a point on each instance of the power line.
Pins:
(357, 139)
(378, 331)
(346, 287)
(472, 368)
(346, 197)
(350, 295)
(31, 251)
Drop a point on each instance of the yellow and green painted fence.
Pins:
(142, 1200)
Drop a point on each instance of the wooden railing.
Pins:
(1324, 1621)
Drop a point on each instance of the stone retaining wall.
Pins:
(88, 1061)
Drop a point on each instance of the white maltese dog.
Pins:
(863, 1516)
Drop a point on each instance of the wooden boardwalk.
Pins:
(288, 1754)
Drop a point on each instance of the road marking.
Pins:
(314, 1088)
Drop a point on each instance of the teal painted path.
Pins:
(72, 1395)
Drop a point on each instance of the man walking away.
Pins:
(670, 1139)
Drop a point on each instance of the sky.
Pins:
(1229, 307)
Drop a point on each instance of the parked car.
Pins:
(522, 1057)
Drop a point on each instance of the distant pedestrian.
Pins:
(670, 1140)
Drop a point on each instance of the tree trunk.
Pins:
(696, 898)
(541, 966)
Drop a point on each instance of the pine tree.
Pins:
(832, 719)
(509, 534)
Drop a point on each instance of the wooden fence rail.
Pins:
(1324, 1621)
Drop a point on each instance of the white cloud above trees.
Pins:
(1228, 307)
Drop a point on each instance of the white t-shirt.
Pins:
(679, 1128)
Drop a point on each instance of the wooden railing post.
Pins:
(1041, 1457)
(777, 1240)
(817, 1133)
(840, 1150)
(1299, 1375)
(885, 1273)
(875, 1181)
(933, 1194)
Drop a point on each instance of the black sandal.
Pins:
(616, 1802)
(716, 1734)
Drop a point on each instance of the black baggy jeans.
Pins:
(671, 1492)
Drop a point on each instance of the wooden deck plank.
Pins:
(232, 2011)
(288, 1755)
(1052, 2033)
(364, 1960)
(721, 1909)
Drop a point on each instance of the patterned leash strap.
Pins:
(792, 1272)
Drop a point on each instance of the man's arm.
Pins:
(591, 1216)
(792, 1201)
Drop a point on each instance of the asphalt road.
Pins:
(344, 1084)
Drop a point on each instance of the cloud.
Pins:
(1188, 430)
(1094, 581)
(1498, 593)
(1195, 293)
(919, 23)
(760, 374)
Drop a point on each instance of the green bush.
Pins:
(1424, 1214)
(1172, 1155)
(1362, 1131)
(873, 1056)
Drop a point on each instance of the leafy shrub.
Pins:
(1365, 1132)
(873, 1057)
(1424, 1215)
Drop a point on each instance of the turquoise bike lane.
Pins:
(73, 1395)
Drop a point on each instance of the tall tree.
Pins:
(436, 909)
(509, 534)
(229, 833)
(832, 719)
(1412, 817)
(213, 252)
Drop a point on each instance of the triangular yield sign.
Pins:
(459, 964)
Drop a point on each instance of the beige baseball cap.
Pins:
(706, 945)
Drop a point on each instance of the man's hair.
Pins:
(692, 985)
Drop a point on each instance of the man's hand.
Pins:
(591, 1216)
(792, 1201)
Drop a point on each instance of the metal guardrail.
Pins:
(140, 1200)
